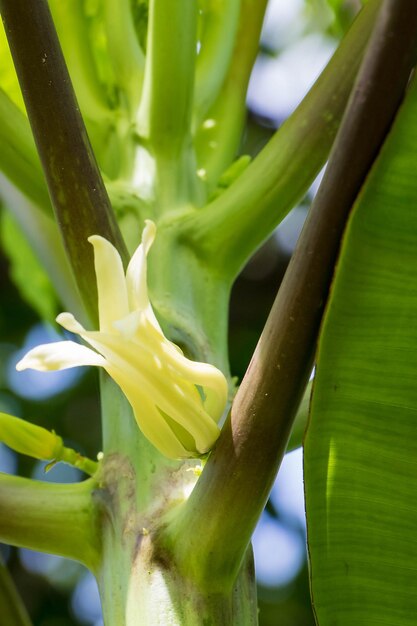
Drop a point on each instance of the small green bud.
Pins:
(230, 175)
(234, 171)
(39, 443)
(27, 438)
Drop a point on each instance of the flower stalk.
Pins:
(238, 476)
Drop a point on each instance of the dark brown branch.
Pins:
(77, 190)
(213, 531)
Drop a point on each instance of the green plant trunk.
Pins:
(138, 580)
(151, 593)
(139, 490)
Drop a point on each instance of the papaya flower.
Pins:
(177, 403)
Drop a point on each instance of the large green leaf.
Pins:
(361, 443)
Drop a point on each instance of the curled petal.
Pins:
(68, 321)
(172, 438)
(198, 425)
(156, 429)
(137, 288)
(212, 381)
(60, 355)
(111, 283)
(129, 325)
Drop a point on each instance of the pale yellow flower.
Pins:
(177, 402)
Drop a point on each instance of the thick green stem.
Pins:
(77, 190)
(165, 114)
(133, 488)
(220, 22)
(218, 138)
(164, 118)
(139, 582)
(191, 300)
(209, 535)
(73, 30)
(229, 229)
(123, 440)
(56, 518)
(125, 52)
(12, 609)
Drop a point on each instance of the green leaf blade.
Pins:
(361, 444)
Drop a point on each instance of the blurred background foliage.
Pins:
(298, 38)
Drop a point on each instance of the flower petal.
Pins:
(111, 283)
(140, 376)
(68, 321)
(155, 428)
(129, 325)
(144, 363)
(59, 356)
(136, 275)
(198, 425)
(210, 378)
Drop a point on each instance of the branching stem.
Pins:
(229, 229)
(164, 117)
(55, 518)
(211, 533)
(218, 139)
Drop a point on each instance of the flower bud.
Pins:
(27, 438)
